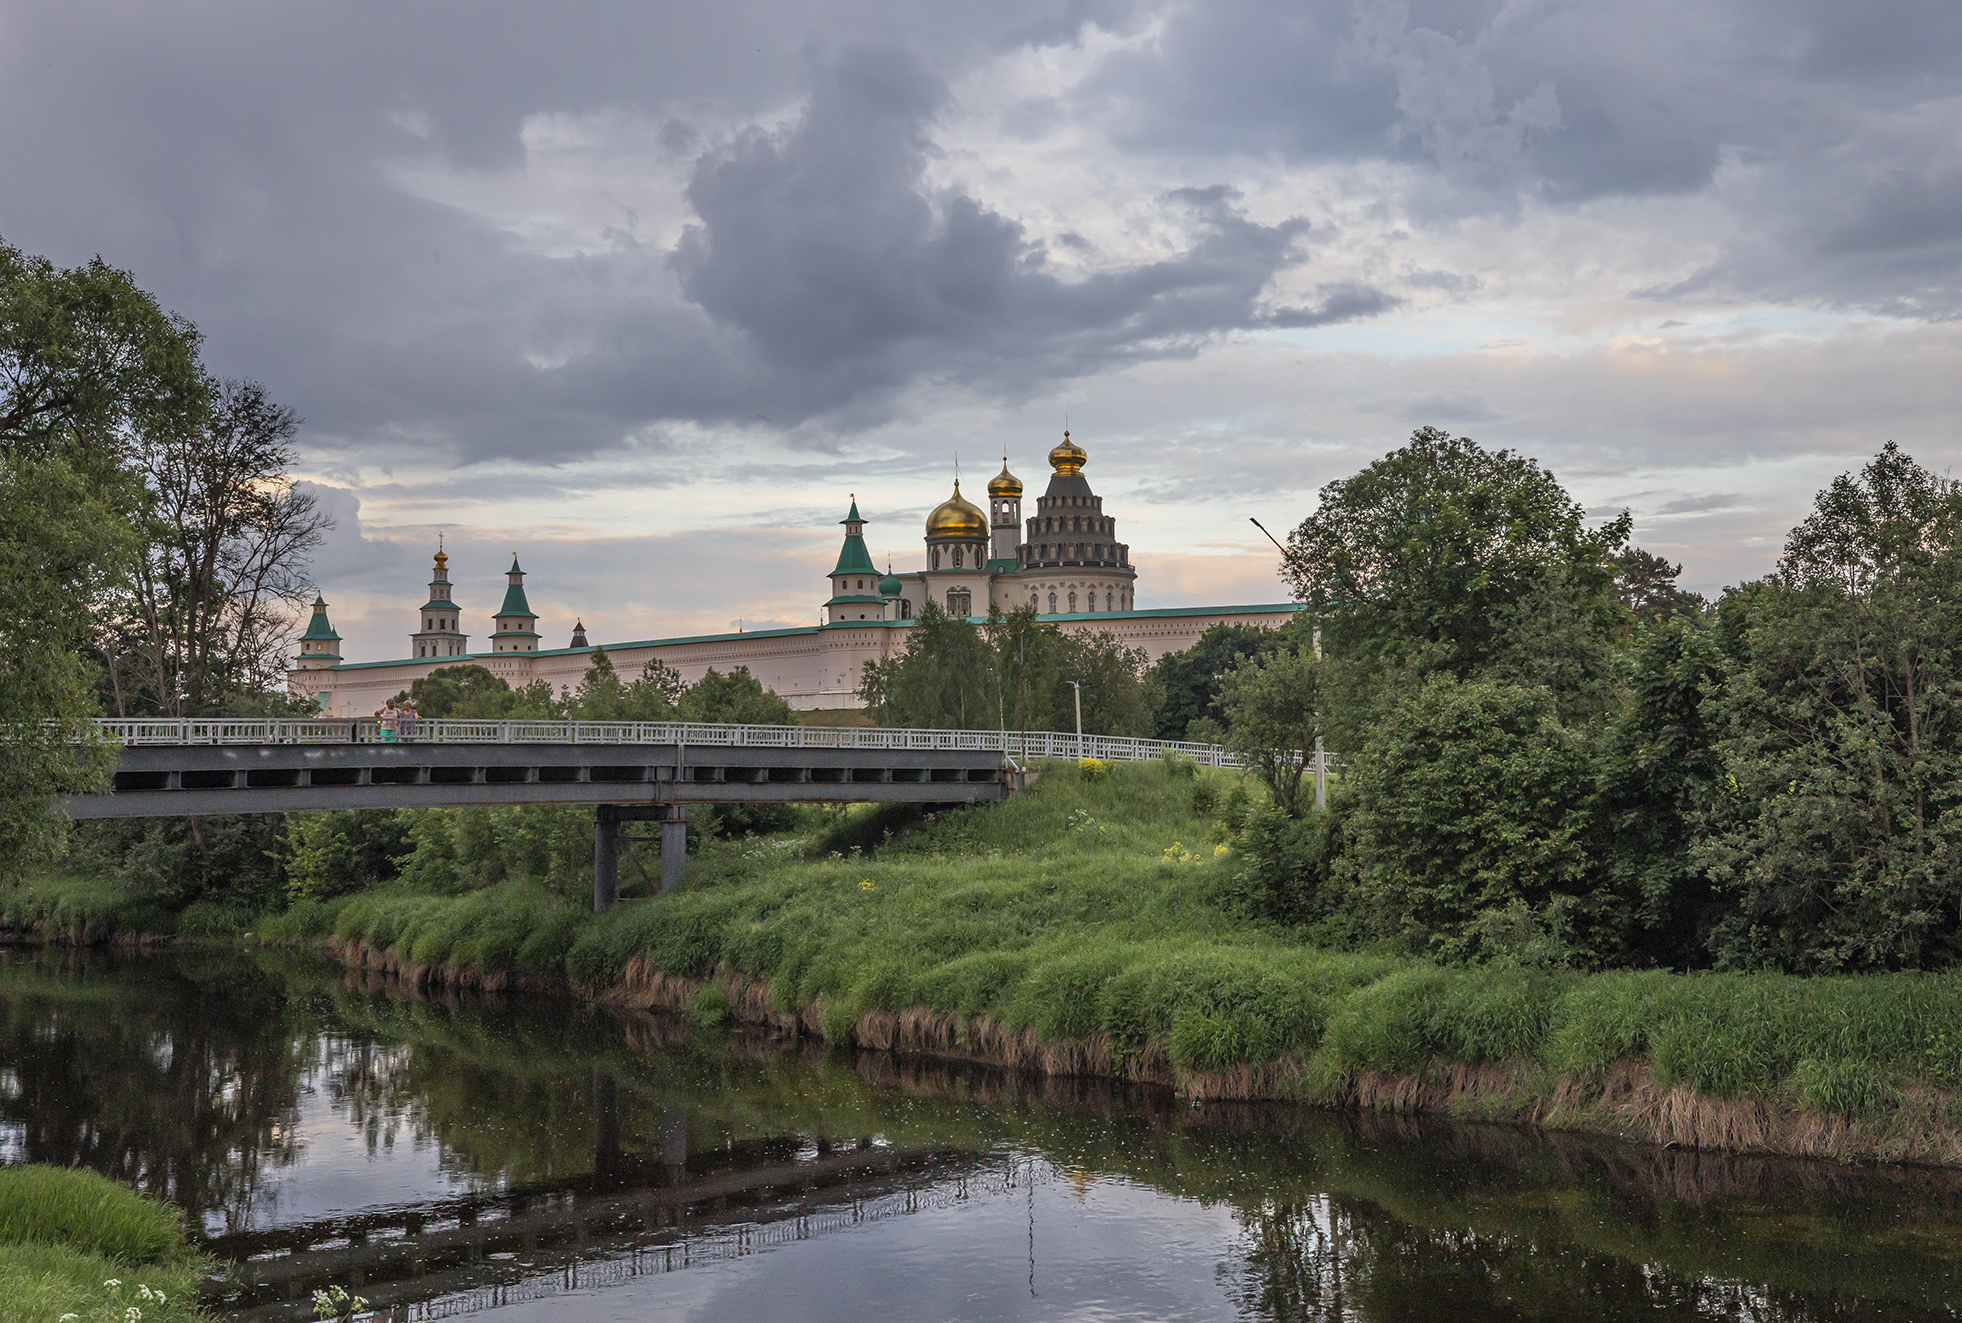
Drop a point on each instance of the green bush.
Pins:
(1472, 796)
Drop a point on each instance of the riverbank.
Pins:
(78, 1247)
(1089, 927)
(1092, 926)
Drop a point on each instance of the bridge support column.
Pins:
(606, 858)
(674, 847)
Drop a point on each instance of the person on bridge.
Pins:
(389, 718)
(411, 721)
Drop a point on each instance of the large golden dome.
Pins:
(1004, 483)
(955, 517)
(1068, 457)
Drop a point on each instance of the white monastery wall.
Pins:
(1072, 567)
(814, 668)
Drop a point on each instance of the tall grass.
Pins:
(1100, 907)
(512, 928)
(94, 906)
(73, 1243)
(58, 1206)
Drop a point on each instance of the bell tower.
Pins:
(441, 634)
(1004, 513)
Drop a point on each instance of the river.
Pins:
(523, 1158)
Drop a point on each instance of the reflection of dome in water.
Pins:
(1068, 457)
(1004, 483)
(955, 517)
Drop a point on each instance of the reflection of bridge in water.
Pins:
(634, 1215)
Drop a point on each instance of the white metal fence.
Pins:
(1017, 745)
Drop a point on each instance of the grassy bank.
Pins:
(1090, 926)
(83, 909)
(77, 1246)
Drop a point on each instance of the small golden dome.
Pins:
(1068, 457)
(1004, 483)
(955, 517)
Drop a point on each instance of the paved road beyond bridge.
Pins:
(628, 770)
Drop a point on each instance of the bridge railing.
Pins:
(1015, 744)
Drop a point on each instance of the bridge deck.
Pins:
(179, 780)
(182, 768)
(627, 770)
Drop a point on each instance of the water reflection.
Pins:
(457, 1156)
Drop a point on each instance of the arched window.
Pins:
(1052, 604)
(905, 609)
(1107, 601)
(1072, 603)
(957, 557)
(959, 602)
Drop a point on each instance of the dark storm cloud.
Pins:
(246, 161)
(1343, 302)
(1845, 120)
(1903, 212)
(844, 271)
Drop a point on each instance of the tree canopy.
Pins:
(1013, 672)
(152, 545)
(1424, 557)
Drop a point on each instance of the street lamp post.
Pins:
(1078, 686)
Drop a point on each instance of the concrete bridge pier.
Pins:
(606, 859)
(606, 847)
(674, 847)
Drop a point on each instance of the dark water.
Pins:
(535, 1161)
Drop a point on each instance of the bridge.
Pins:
(629, 770)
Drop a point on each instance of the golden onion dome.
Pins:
(1068, 457)
(1004, 483)
(955, 517)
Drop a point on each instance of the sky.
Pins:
(644, 293)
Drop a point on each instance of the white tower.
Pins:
(517, 623)
(320, 646)
(442, 623)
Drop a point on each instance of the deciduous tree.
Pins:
(224, 567)
(1423, 558)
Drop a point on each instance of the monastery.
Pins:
(1065, 560)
